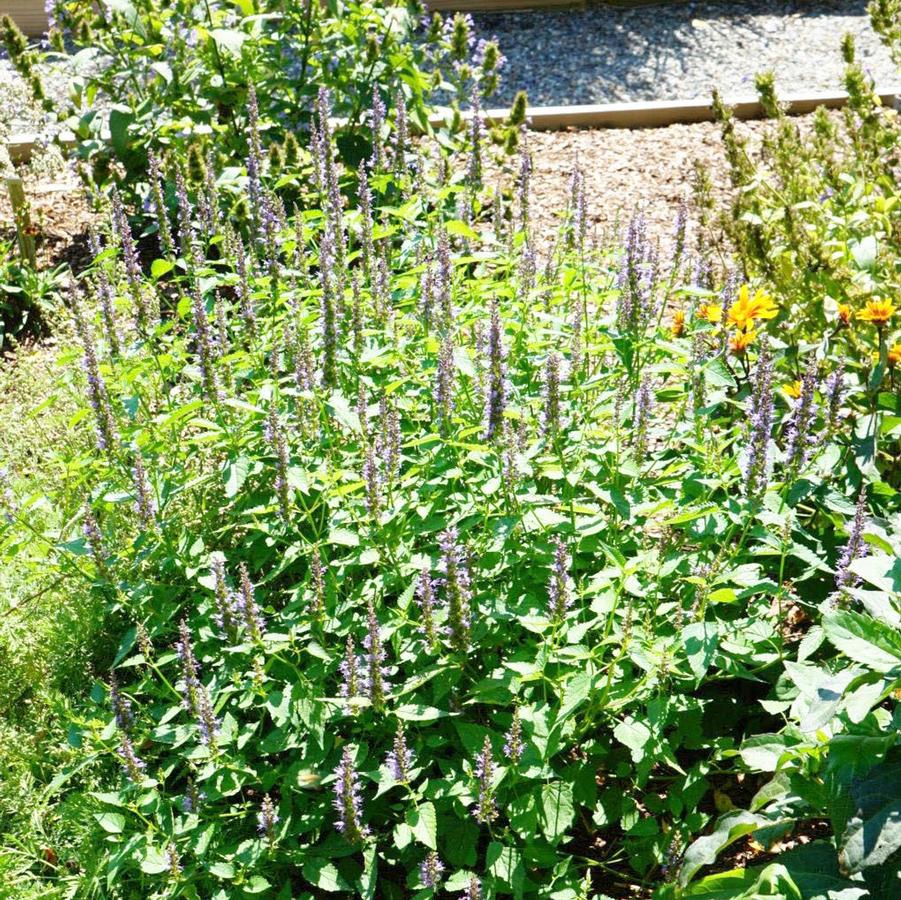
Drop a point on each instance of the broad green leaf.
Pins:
(700, 641)
(424, 823)
(111, 822)
(557, 809)
(864, 640)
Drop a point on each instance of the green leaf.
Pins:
(635, 735)
(160, 267)
(229, 39)
(460, 229)
(425, 825)
(419, 712)
(864, 252)
(557, 810)
(256, 884)
(700, 640)
(344, 537)
(692, 514)
(704, 851)
(111, 822)
(864, 639)
(322, 874)
(235, 474)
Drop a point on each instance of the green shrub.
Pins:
(160, 76)
(441, 566)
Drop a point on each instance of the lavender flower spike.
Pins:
(317, 583)
(121, 705)
(190, 668)
(347, 801)
(253, 618)
(855, 548)
(425, 597)
(473, 889)
(207, 723)
(144, 501)
(444, 384)
(430, 870)
(457, 588)
(375, 661)
(134, 766)
(267, 819)
(225, 615)
(798, 437)
(760, 415)
(399, 759)
(513, 746)
(558, 593)
(496, 395)
(485, 809)
(641, 418)
(350, 671)
(552, 394)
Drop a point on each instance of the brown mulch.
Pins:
(61, 216)
(624, 169)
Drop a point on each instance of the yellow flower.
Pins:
(746, 308)
(678, 323)
(792, 389)
(844, 313)
(894, 355)
(712, 312)
(741, 340)
(877, 311)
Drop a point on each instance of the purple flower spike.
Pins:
(267, 819)
(485, 808)
(133, 766)
(558, 592)
(350, 671)
(496, 395)
(457, 588)
(513, 746)
(756, 468)
(253, 618)
(399, 759)
(855, 548)
(375, 661)
(430, 870)
(552, 395)
(121, 705)
(347, 801)
(799, 440)
(425, 597)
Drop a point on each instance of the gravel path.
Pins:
(681, 50)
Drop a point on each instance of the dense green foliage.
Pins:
(151, 76)
(366, 482)
(417, 553)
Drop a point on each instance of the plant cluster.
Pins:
(447, 565)
(154, 77)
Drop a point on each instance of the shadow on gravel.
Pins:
(678, 50)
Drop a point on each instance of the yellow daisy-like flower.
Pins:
(746, 308)
(877, 311)
(678, 325)
(741, 340)
(845, 313)
(894, 355)
(792, 389)
(712, 312)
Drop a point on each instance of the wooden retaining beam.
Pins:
(643, 114)
(30, 16)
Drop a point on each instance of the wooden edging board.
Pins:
(31, 16)
(643, 114)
